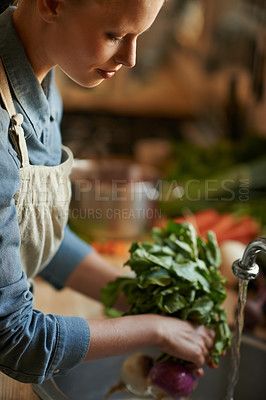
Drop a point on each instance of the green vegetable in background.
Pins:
(178, 275)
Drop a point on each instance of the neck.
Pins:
(32, 33)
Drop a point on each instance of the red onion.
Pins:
(173, 378)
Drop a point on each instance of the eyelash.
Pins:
(114, 39)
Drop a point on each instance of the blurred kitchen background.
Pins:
(193, 109)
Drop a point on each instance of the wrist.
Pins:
(157, 331)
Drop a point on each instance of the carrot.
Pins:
(225, 226)
(225, 223)
(201, 220)
(118, 248)
(245, 229)
(206, 218)
(179, 220)
(243, 238)
(121, 248)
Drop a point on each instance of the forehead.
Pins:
(129, 13)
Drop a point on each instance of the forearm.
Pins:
(116, 336)
(180, 339)
(92, 274)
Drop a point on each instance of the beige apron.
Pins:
(42, 200)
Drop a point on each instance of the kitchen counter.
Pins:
(68, 302)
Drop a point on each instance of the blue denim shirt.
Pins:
(32, 345)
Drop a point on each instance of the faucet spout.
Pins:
(246, 268)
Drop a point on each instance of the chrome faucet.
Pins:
(246, 268)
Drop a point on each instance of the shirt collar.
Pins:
(25, 85)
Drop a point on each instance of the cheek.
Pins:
(97, 53)
(86, 55)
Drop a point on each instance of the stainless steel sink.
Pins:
(91, 381)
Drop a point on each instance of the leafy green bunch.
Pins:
(178, 275)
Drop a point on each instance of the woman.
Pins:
(90, 40)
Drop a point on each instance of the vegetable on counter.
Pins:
(226, 226)
(114, 247)
(227, 176)
(178, 275)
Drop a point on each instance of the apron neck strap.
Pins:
(16, 119)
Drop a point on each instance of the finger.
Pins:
(199, 372)
(206, 353)
(209, 341)
(208, 336)
(193, 368)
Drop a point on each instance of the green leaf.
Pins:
(134, 247)
(214, 252)
(217, 292)
(141, 260)
(179, 245)
(200, 309)
(188, 271)
(112, 313)
(112, 290)
(158, 236)
(157, 249)
(222, 338)
(173, 303)
(185, 238)
(158, 276)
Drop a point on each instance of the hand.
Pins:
(185, 340)
(181, 339)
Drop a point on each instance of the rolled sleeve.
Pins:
(71, 252)
(34, 346)
(72, 345)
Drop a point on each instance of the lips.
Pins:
(106, 74)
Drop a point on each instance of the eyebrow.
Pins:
(118, 34)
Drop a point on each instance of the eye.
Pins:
(114, 39)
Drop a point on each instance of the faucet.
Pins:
(246, 268)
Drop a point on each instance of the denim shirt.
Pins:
(33, 346)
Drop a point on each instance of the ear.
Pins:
(49, 9)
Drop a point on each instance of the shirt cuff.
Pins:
(72, 344)
(69, 255)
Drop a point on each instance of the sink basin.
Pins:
(91, 381)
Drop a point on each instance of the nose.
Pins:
(126, 54)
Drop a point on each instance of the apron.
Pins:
(42, 201)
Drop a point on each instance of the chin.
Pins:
(86, 83)
(94, 84)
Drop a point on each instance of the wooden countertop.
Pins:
(68, 302)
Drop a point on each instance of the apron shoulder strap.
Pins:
(5, 92)
(16, 119)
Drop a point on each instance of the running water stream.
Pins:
(236, 341)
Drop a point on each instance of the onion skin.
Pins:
(134, 373)
(173, 378)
